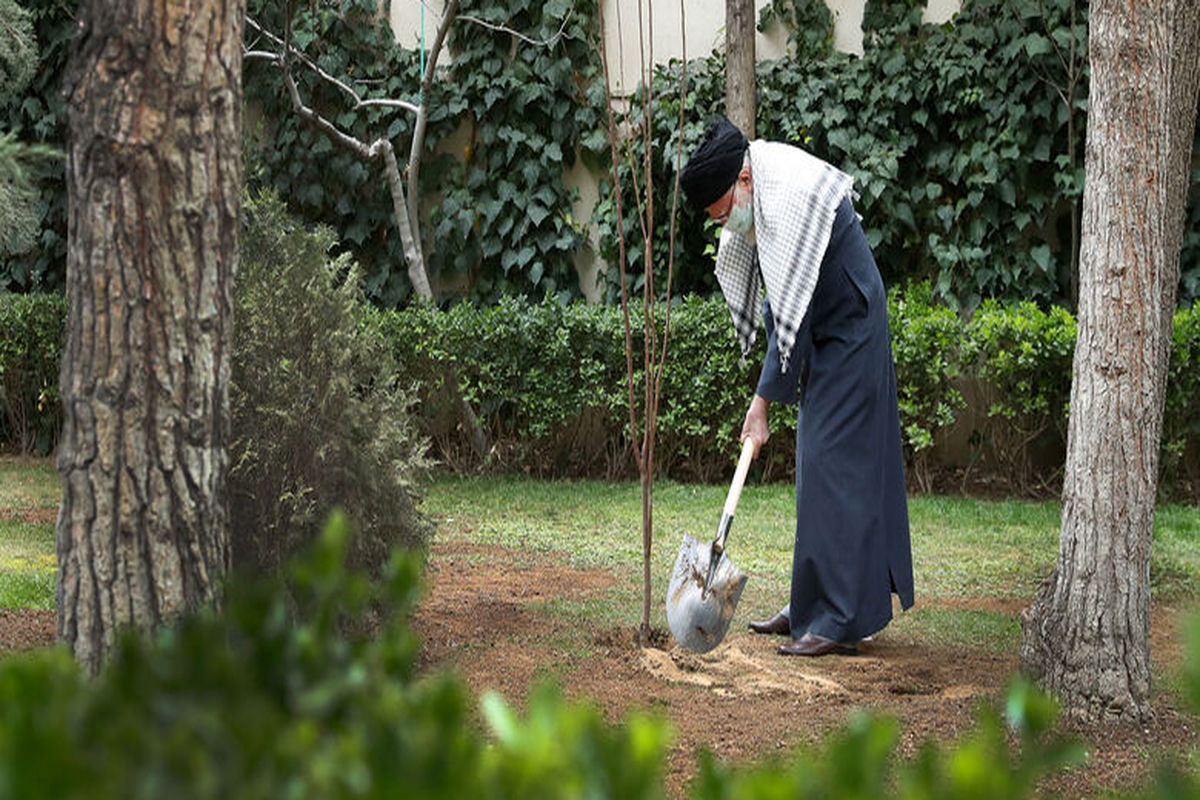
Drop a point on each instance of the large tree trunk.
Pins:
(1086, 637)
(154, 185)
(739, 64)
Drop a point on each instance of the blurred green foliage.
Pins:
(1002, 758)
(304, 688)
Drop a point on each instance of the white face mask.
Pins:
(741, 215)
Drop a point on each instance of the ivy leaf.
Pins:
(1007, 192)
(1042, 257)
(537, 213)
(1037, 45)
(535, 273)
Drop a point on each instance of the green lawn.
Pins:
(27, 560)
(962, 548)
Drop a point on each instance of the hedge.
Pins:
(547, 384)
(31, 339)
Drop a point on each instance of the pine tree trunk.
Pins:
(154, 185)
(1087, 635)
(739, 64)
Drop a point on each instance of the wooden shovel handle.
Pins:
(739, 477)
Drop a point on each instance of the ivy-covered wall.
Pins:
(965, 140)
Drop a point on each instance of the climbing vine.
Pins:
(505, 222)
(965, 139)
(505, 117)
(320, 182)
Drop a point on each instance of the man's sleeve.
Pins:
(773, 383)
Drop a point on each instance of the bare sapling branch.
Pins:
(654, 351)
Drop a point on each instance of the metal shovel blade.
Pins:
(699, 617)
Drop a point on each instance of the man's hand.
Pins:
(755, 426)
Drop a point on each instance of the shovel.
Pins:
(705, 585)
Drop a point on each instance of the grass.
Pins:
(28, 564)
(962, 547)
(28, 483)
(989, 631)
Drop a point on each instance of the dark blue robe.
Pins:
(852, 546)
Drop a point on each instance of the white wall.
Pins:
(704, 32)
(705, 28)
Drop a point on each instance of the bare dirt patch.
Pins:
(24, 628)
(487, 617)
(47, 515)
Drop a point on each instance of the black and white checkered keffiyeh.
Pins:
(796, 196)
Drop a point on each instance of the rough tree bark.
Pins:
(1086, 637)
(739, 64)
(154, 180)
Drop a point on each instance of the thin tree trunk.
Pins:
(154, 180)
(739, 64)
(1086, 637)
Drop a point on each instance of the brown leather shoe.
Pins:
(812, 645)
(779, 624)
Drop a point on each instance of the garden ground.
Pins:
(533, 580)
(490, 616)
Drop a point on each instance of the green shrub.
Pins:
(542, 379)
(548, 383)
(31, 340)
(1181, 418)
(927, 345)
(1024, 357)
(319, 416)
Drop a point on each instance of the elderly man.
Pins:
(789, 227)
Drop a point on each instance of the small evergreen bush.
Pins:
(319, 416)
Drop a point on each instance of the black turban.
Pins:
(714, 165)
